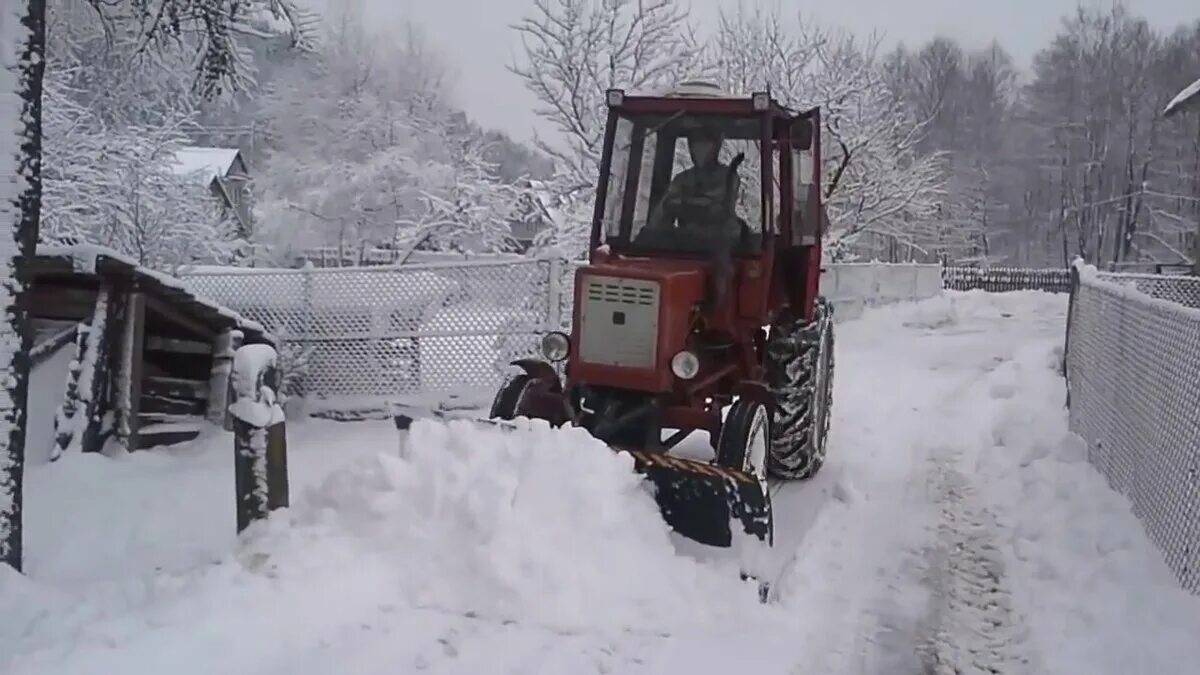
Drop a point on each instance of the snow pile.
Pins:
(537, 527)
(537, 523)
(1099, 596)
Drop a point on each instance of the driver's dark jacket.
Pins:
(698, 196)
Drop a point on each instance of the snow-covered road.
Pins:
(956, 528)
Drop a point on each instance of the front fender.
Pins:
(754, 391)
(540, 370)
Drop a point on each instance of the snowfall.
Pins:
(956, 527)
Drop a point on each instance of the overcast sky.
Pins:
(475, 36)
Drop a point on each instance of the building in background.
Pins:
(226, 175)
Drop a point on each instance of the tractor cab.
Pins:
(702, 176)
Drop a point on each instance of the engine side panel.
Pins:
(618, 322)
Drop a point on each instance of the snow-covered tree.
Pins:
(575, 50)
(365, 149)
(22, 44)
(876, 180)
(213, 31)
(119, 187)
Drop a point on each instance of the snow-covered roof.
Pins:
(96, 260)
(1189, 97)
(205, 163)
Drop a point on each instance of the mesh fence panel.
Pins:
(382, 331)
(1184, 290)
(1133, 374)
(1004, 279)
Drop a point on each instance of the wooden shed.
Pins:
(150, 360)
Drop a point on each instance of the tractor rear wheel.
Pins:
(799, 364)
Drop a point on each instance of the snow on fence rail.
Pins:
(376, 332)
(1133, 378)
(852, 287)
(1005, 279)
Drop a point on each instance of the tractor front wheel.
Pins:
(800, 373)
(745, 439)
(507, 403)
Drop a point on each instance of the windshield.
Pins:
(685, 183)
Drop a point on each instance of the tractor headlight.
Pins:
(685, 365)
(556, 346)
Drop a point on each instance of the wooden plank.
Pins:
(153, 403)
(49, 347)
(175, 316)
(136, 314)
(175, 387)
(151, 437)
(73, 304)
(159, 418)
(178, 345)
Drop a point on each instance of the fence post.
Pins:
(1071, 298)
(554, 294)
(259, 435)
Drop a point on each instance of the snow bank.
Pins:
(1100, 596)
(538, 526)
(545, 524)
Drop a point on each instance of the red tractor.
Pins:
(699, 309)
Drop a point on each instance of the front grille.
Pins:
(622, 291)
(619, 322)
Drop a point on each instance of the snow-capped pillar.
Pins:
(259, 434)
(224, 347)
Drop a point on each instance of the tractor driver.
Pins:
(701, 198)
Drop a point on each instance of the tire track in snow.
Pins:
(914, 574)
(972, 626)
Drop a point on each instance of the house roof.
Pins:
(87, 260)
(1188, 98)
(205, 163)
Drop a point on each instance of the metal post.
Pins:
(554, 295)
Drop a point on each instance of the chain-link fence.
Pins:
(1133, 379)
(1006, 279)
(382, 331)
(1184, 290)
(371, 333)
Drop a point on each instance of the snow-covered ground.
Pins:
(956, 522)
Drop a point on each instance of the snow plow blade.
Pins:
(699, 500)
